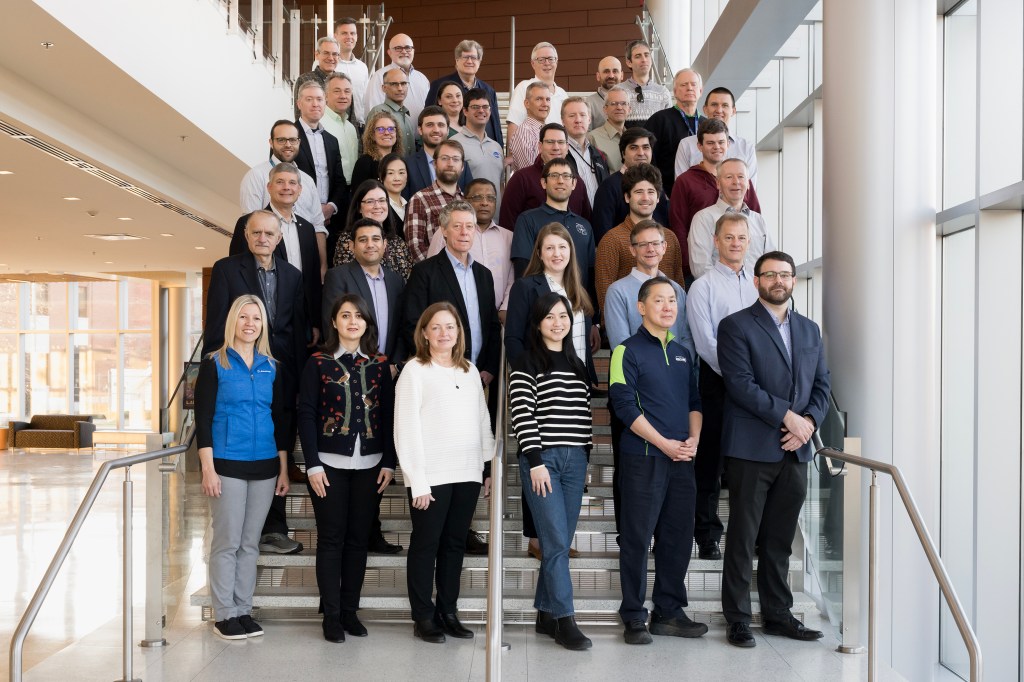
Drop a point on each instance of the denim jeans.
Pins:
(555, 516)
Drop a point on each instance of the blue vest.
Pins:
(243, 428)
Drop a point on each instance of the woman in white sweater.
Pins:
(443, 437)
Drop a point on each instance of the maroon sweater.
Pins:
(694, 190)
(524, 192)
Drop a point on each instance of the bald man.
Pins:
(401, 50)
(609, 74)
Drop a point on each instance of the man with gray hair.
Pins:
(544, 59)
(469, 54)
(401, 50)
(671, 125)
(646, 97)
(609, 74)
(606, 136)
(523, 141)
(327, 53)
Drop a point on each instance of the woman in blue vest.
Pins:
(346, 403)
(240, 435)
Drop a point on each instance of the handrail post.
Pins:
(126, 587)
(873, 578)
(495, 568)
(154, 548)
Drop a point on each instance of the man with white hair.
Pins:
(469, 54)
(544, 60)
(327, 53)
(401, 50)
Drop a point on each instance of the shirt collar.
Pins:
(280, 217)
(380, 273)
(310, 131)
(551, 210)
(610, 128)
(456, 263)
(395, 106)
(727, 207)
(341, 351)
(744, 272)
(774, 318)
(273, 264)
(635, 272)
(492, 226)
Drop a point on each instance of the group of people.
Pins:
(383, 258)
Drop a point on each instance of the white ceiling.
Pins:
(74, 98)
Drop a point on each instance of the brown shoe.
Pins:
(533, 549)
(295, 474)
(574, 553)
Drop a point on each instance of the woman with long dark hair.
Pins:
(443, 436)
(449, 98)
(394, 175)
(346, 403)
(370, 201)
(549, 394)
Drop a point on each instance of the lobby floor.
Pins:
(77, 634)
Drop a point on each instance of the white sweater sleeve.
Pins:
(409, 398)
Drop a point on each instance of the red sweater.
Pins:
(694, 190)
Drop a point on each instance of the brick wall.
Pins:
(583, 31)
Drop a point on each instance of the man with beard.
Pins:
(776, 394)
(253, 194)
(432, 127)
(421, 215)
(610, 207)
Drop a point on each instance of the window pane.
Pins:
(95, 390)
(140, 304)
(8, 307)
(48, 306)
(46, 377)
(97, 305)
(8, 378)
(959, 118)
(138, 381)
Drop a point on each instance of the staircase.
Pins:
(286, 584)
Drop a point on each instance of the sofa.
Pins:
(52, 431)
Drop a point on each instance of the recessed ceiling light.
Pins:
(200, 248)
(108, 262)
(71, 199)
(166, 234)
(4, 172)
(124, 218)
(115, 237)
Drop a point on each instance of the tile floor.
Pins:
(78, 632)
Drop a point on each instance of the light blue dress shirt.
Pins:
(467, 283)
(715, 295)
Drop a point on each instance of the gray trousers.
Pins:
(238, 516)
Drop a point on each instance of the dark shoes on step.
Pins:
(429, 631)
(449, 622)
(709, 550)
(475, 544)
(678, 626)
(636, 633)
(793, 629)
(740, 635)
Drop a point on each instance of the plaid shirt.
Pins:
(524, 143)
(421, 217)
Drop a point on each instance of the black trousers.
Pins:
(708, 464)
(343, 520)
(657, 500)
(277, 519)
(437, 546)
(617, 429)
(764, 506)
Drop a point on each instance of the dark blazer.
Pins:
(349, 278)
(419, 174)
(236, 275)
(669, 130)
(494, 124)
(337, 192)
(309, 253)
(433, 280)
(597, 158)
(521, 298)
(762, 383)
(610, 206)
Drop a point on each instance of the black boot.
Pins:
(545, 624)
(568, 634)
(333, 632)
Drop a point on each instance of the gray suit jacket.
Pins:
(349, 278)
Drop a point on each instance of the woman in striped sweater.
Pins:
(550, 401)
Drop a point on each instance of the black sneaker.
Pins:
(740, 635)
(636, 633)
(251, 627)
(680, 626)
(229, 629)
(475, 544)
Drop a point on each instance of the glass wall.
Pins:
(79, 348)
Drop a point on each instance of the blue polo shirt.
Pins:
(529, 224)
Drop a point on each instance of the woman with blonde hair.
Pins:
(380, 138)
(243, 454)
(552, 268)
(443, 466)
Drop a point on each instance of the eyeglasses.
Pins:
(402, 48)
(546, 60)
(644, 245)
(560, 176)
(397, 84)
(385, 130)
(286, 140)
(469, 58)
(332, 55)
(374, 202)
(608, 103)
(639, 94)
(479, 107)
(772, 275)
(451, 159)
(490, 198)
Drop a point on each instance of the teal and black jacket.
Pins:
(655, 379)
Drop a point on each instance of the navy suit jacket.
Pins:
(493, 124)
(349, 278)
(236, 275)
(762, 383)
(521, 298)
(309, 253)
(610, 206)
(419, 174)
(337, 192)
(433, 280)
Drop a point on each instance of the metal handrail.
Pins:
(938, 568)
(661, 72)
(495, 577)
(25, 624)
